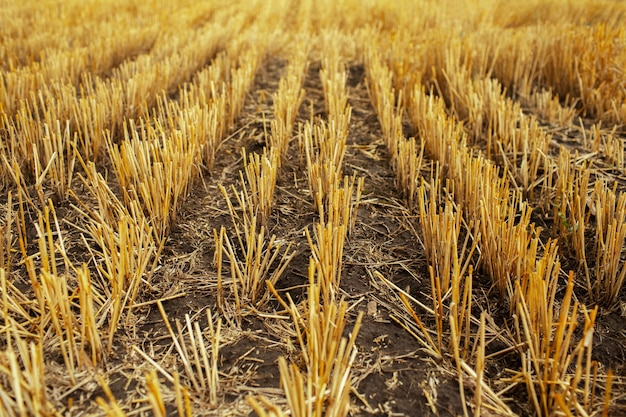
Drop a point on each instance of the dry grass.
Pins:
(327, 356)
(254, 259)
(121, 125)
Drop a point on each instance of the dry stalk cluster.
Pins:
(575, 61)
(38, 150)
(254, 258)
(337, 201)
(548, 108)
(64, 316)
(287, 100)
(513, 139)
(605, 142)
(23, 376)
(199, 353)
(327, 356)
(155, 169)
(558, 371)
(450, 268)
(599, 245)
(509, 243)
(406, 159)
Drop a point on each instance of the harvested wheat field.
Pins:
(312, 208)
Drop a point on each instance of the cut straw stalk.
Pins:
(127, 247)
(328, 357)
(23, 391)
(334, 77)
(260, 263)
(550, 353)
(199, 362)
(254, 257)
(155, 169)
(6, 235)
(610, 243)
(155, 395)
(261, 172)
(287, 101)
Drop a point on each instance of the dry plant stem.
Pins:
(262, 259)
(89, 327)
(610, 245)
(156, 169)
(550, 350)
(287, 101)
(183, 402)
(572, 211)
(200, 366)
(6, 235)
(43, 149)
(328, 254)
(264, 408)
(570, 208)
(110, 408)
(480, 365)
(328, 357)
(433, 347)
(24, 373)
(260, 175)
(408, 162)
(155, 397)
(218, 239)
